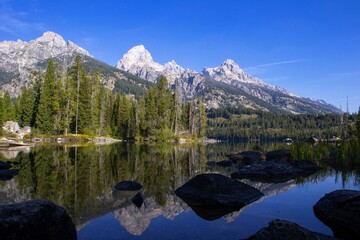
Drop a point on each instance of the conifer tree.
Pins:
(358, 125)
(1, 112)
(84, 113)
(46, 113)
(9, 111)
(25, 109)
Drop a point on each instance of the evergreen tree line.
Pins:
(239, 124)
(76, 102)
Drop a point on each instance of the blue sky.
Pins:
(311, 48)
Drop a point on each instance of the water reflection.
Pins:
(80, 178)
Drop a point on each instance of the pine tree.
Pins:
(84, 113)
(358, 125)
(25, 109)
(202, 119)
(1, 113)
(9, 111)
(46, 113)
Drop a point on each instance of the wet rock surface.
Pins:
(128, 186)
(285, 230)
(279, 155)
(35, 219)
(246, 157)
(276, 171)
(340, 210)
(214, 195)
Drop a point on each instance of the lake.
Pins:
(81, 179)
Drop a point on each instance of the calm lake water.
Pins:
(81, 178)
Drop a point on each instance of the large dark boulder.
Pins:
(214, 195)
(128, 186)
(35, 219)
(279, 155)
(246, 157)
(285, 230)
(276, 171)
(340, 210)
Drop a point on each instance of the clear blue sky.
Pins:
(309, 47)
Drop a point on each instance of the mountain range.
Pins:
(221, 86)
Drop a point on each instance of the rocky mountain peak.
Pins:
(230, 71)
(137, 55)
(139, 62)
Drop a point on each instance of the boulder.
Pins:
(279, 155)
(246, 157)
(214, 195)
(35, 219)
(11, 127)
(285, 230)
(128, 186)
(340, 210)
(276, 171)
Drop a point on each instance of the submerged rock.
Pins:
(128, 186)
(246, 157)
(35, 219)
(276, 171)
(213, 195)
(224, 163)
(279, 155)
(285, 230)
(340, 210)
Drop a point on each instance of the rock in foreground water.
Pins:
(285, 230)
(35, 219)
(276, 171)
(340, 210)
(214, 195)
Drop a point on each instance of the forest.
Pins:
(241, 124)
(77, 102)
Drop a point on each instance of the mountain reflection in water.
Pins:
(81, 178)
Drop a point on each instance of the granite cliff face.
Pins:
(18, 59)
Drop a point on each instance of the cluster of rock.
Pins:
(213, 195)
(11, 127)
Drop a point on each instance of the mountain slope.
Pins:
(221, 86)
(18, 59)
(224, 85)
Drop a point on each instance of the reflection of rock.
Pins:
(12, 152)
(340, 210)
(276, 170)
(213, 195)
(246, 157)
(138, 200)
(279, 155)
(269, 189)
(35, 219)
(136, 220)
(285, 230)
(128, 186)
